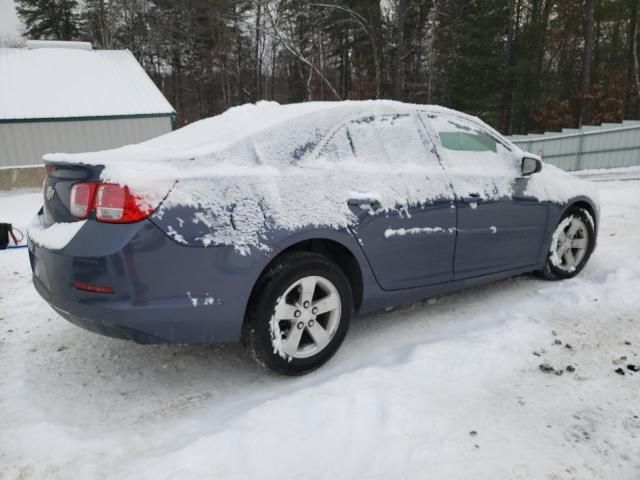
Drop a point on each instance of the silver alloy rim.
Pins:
(570, 243)
(305, 318)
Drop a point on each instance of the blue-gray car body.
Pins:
(169, 289)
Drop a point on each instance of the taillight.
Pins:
(112, 203)
(81, 199)
(116, 203)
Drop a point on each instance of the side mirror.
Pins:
(530, 166)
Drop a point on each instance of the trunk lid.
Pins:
(57, 189)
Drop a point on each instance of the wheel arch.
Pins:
(557, 210)
(331, 248)
(586, 203)
(592, 210)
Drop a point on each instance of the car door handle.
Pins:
(472, 198)
(364, 203)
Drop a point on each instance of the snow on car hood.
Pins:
(556, 185)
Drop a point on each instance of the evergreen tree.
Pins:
(522, 65)
(49, 19)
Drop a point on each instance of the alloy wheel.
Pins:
(306, 317)
(570, 244)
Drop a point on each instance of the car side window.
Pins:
(465, 145)
(468, 142)
(380, 140)
(338, 148)
(389, 139)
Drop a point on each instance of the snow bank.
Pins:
(631, 170)
(18, 207)
(445, 389)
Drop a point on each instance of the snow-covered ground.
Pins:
(445, 389)
(18, 207)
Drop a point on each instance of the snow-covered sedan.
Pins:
(275, 224)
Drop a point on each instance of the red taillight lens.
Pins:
(112, 203)
(81, 199)
(116, 204)
(89, 287)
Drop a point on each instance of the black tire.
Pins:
(551, 271)
(272, 285)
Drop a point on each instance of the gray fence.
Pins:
(607, 146)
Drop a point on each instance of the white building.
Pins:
(66, 97)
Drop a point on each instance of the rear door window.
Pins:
(338, 149)
(382, 140)
(390, 140)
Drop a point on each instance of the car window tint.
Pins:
(468, 142)
(459, 135)
(389, 139)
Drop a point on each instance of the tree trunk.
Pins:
(299, 55)
(507, 97)
(585, 113)
(258, 55)
(398, 74)
(636, 71)
(274, 49)
(631, 56)
(375, 21)
(430, 48)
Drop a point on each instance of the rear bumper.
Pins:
(107, 329)
(162, 291)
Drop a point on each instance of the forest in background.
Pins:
(521, 65)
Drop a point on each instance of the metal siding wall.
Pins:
(600, 148)
(25, 143)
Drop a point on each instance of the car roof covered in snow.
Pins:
(57, 82)
(265, 132)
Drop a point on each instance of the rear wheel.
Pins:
(299, 314)
(571, 245)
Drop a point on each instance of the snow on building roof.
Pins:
(33, 44)
(45, 83)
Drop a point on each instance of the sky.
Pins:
(9, 23)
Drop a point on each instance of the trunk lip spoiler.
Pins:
(72, 171)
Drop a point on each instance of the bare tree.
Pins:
(367, 28)
(286, 43)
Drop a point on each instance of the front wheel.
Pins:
(571, 245)
(299, 314)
